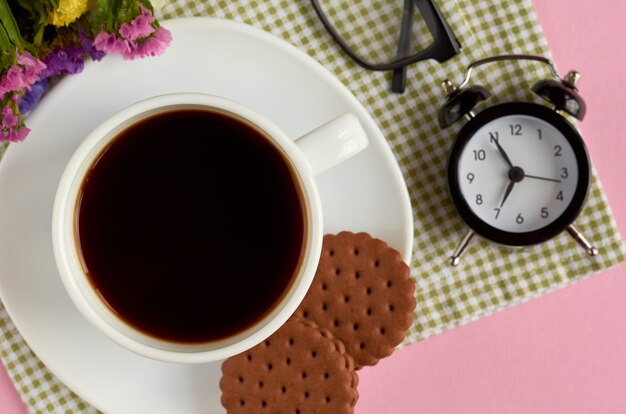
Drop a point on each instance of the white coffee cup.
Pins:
(309, 155)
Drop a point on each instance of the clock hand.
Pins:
(541, 178)
(509, 188)
(503, 153)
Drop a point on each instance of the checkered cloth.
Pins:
(490, 278)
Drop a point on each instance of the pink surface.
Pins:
(564, 352)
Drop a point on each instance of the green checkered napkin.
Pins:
(490, 278)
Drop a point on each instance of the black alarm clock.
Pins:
(518, 172)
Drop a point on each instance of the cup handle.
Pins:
(333, 142)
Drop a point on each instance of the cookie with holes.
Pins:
(363, 293)
(299, 369)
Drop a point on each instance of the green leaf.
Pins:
(38, 38)
(9, 24)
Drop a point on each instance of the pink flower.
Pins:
(10, 129)
(147, 13)
(31, 67)
(13, 80)
(27, 60)
(110, 43)
(155, 45)
(136, 39)
(105, 42)
(9, 119)
(138, 28)
(22, 75)
(15, 135)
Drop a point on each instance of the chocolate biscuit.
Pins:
(299, 369)
(363, 294)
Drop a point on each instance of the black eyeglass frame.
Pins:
(445, 44)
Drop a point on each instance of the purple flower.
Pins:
(88, 46)
(60, 61)
(32, 97)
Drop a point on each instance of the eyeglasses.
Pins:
(367, 31)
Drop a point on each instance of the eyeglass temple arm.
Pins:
(446, 45)
(398, 82)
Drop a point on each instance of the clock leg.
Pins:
(582, 240)
(455, 259)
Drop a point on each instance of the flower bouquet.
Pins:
(42, 40)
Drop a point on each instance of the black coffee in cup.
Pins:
(191, 225)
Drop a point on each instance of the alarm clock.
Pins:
(518, 172)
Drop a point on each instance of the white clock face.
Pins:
(531, 191)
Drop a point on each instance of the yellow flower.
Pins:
(68, 11)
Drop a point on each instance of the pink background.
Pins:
(564, 352)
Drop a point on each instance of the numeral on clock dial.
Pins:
(544, 173)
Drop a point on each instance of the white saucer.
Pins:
(219, 57)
